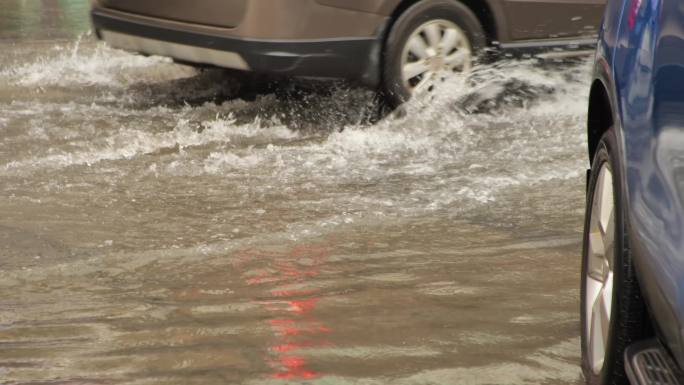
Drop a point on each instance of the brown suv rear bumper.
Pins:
(353, 58)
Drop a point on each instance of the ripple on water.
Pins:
(154, 179)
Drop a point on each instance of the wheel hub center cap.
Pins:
(436, 63)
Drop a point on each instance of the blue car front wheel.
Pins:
(613, 314)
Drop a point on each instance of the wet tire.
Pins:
(629, 320)
(393, 88)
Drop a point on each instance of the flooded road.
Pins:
(156, 230)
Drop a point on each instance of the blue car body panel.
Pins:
(640, 60)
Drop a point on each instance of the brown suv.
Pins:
(400, 46)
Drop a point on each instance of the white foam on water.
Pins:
(512, 124)
(81, 63)
(127, 143)
(472, 156)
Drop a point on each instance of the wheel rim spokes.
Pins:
(414, 69)
(600, 265)
(458, 59)
(433, 33)
(418, 47)
(450, 40)
(436, 48)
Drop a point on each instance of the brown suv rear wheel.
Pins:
(428, 41)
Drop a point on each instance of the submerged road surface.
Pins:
(154, 230)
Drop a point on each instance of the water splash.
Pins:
(511, 124)
(81, 64)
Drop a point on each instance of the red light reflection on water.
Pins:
(295, 327)
(294, 368)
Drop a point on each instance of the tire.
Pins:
(451, 12)
(629, 320)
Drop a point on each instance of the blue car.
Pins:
(632, 291)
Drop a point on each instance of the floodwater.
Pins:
(155, 229)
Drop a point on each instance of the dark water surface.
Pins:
(154, 230)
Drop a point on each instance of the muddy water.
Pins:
(156, 230)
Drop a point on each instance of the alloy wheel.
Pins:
(600, 268)
(434, 50)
